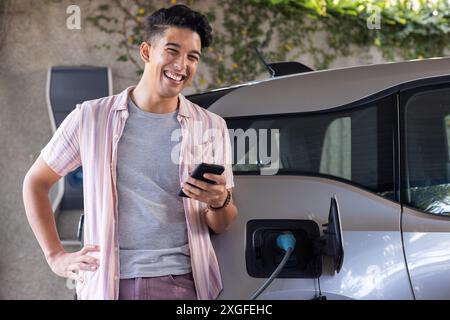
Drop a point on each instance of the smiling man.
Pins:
(143, 241)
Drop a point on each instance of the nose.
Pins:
(180, 63)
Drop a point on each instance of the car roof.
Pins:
(320, 90)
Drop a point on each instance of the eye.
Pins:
(193, 58)
(172, 51)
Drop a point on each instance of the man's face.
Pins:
(173, 61)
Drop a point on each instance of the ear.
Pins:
(145, 51)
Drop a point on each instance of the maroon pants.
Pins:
(171, 287)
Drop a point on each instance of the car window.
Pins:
(427, 151)
(353, 144)
(335, 159)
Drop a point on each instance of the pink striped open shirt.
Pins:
(88, 137)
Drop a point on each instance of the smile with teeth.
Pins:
(174, 76)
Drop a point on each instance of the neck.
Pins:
(148, 101)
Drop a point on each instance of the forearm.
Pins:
(219, 220)
(40, 217)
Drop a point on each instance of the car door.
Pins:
(425, 144)
(346, 152)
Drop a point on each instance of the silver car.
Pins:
(360, 176)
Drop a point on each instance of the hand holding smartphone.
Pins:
(200, 170)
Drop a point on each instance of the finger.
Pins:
(201, 198)
(87, 267)
(209, 190)
(219, 179)
(194, 190)
(190, 194)
(76, 267)
(198, 183)
(89, 248)
(87, 259)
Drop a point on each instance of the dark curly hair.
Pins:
(179, 16)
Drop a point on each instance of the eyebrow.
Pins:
(178, 46)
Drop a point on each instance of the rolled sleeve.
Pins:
(62, 152)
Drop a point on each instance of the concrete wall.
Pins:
(38, 39)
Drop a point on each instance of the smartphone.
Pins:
(201, 169)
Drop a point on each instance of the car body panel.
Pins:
(427, 248)
(371, 249)
(322, 90)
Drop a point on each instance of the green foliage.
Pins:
(410, 29)
(287, 30)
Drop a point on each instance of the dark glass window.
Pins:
(353, 144)
(426, 150)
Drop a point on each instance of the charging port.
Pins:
(263, 254)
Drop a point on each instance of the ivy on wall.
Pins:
(409, 28)
(287, 30)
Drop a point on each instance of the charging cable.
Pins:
(286, 242)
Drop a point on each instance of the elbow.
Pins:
(26, 184)
(27, 191)
(31, 185)
(35, 181)
(29, 182)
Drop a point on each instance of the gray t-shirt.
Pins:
(153, 237)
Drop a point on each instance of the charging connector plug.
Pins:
(285, 241)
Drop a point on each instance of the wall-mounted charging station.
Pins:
(68, 86)
(263, 255)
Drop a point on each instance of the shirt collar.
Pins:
(122, 103)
